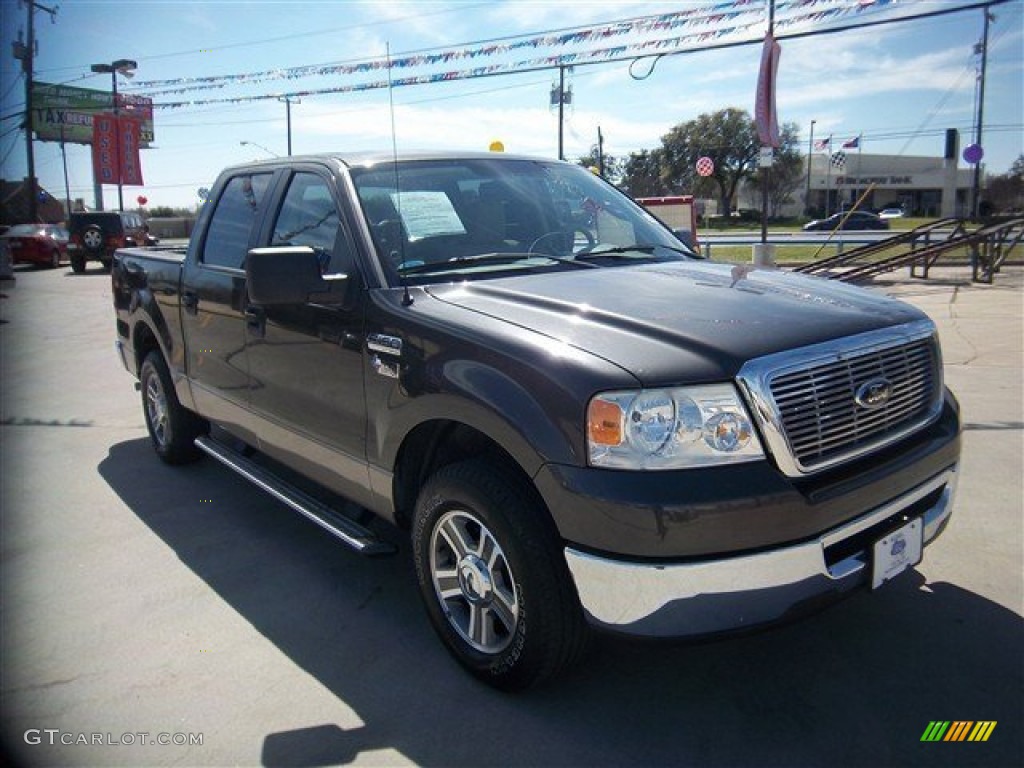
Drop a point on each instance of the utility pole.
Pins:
(766, 168)
(561, 110)
(976, 183)
(600, 152)
(288, 101)
(810, 156)
(26, 54)
(558, 92)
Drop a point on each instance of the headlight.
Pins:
(670, 428)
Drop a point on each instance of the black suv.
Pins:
(96, 235)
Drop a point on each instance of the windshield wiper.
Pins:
(647, 249)
(417, 268)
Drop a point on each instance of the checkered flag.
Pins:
(839, 160)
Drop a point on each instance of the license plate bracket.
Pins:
(894, 553)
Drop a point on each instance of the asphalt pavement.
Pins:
(178, 616)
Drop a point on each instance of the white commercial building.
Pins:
(922, 186)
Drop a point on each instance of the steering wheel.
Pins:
(591, 242)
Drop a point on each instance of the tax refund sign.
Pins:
(65, 113)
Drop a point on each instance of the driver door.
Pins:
(305, 360)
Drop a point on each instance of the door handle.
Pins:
(190, 301)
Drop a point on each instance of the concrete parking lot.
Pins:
(144, 604)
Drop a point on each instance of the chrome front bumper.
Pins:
(714, 596)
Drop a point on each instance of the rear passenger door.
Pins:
(214, 303)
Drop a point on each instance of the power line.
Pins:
(355, 109)
(463, 50)
(284, 38)
(587, 57)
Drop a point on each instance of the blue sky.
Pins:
(899, 85)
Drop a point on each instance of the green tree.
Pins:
(641, 174)
(728, 137)
(167, 212)
(788, 170)
(1006, 191)
(612, 165)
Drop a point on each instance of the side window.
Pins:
(308, 216)
(227, 239)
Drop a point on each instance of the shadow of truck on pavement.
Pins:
(854, 685)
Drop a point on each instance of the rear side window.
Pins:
(228, 236)
(109, 223)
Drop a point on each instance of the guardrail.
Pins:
(707, 242)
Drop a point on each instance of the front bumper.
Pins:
(710, 596)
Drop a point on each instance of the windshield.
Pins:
(439, 220)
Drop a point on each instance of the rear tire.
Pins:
(77, 263)
(55, 260)
(493, 577)
(172, 428)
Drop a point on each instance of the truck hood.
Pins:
(679, 321)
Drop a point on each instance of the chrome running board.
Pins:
(351, 533)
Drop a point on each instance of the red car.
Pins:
(42, 244)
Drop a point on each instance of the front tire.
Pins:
(172, 428)
(493, 577)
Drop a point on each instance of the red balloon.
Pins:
(142, 199)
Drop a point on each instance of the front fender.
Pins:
(519, 419)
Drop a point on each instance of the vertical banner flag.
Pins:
(104, 154)
(115, 158)
(764, 103)
(131, 167)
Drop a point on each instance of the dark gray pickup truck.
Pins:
(578, 422)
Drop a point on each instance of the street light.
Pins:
(253, 143)
(127, 68)
(810, 155)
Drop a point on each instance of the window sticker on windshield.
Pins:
(428, 213)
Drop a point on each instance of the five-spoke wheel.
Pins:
(493, 577)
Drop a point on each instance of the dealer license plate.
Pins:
(896, 552)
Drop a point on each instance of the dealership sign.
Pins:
(882, 181)
(64, 113)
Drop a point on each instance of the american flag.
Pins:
(822, 144)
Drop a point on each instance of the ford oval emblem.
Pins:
(874, 393)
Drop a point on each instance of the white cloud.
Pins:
(196, 16)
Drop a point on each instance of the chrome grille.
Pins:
(810, 403)
(818, 406)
